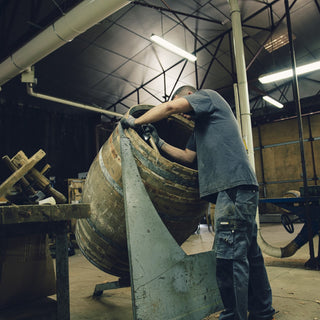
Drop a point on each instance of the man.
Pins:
(227, 179)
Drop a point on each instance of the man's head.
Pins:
(183, 91)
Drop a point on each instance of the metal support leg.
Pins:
(62, 270)
(166, 283)
(98, 290)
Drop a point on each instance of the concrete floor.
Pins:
(296, 291)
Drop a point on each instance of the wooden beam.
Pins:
(43, 213)
(20, 159)
(17, 175)
(23, 181)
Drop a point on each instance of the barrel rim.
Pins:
(155, 157)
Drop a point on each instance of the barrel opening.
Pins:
(176, 130)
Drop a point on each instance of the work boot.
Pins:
(289, 250)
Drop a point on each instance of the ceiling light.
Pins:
(171, 47)
(272, 101)
(289, 73)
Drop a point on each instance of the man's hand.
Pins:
(128, 122)
(154, 134)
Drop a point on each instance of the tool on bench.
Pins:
(27, 176)
(40, 180)
(20, 172)
(24, 183)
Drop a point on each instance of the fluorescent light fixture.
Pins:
(171, 47)
(285, 74)
(272, 101)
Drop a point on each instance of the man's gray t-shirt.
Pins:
(222, 159)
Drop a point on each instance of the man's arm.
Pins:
(186, 155)
(164, 110)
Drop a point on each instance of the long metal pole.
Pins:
(296, 96)
(71, 103)
(245, 106)
(242, 78)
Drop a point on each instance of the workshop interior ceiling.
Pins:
(114, 64)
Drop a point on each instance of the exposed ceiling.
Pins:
(114, 64)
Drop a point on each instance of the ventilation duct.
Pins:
(76, 21)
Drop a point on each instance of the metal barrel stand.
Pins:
(166, 283)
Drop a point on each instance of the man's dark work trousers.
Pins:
(241, 275)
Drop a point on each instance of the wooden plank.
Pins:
(20, 159)
(279, 132)
(45, 169)
(315, 125)
(23, 181)
(255, 137)
(44, 213)
(17, 175)
(284, 162)
(258, 170)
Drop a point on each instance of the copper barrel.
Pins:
(172, 187)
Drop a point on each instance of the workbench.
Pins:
(295, 205)
(51, 219)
